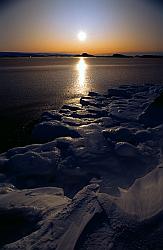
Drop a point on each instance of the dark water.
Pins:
(28, 86)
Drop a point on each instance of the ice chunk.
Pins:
(153, 115)
(118, 92)
(126, 149)
(145, 197)
(119, 134)
(47, 131)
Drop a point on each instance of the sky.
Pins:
(111, 26)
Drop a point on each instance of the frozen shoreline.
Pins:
(108, 141)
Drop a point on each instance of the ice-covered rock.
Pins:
(31, 161)
(100, 141)
(143, 135)
(101, 112)
(119, 134)
(118, 93)
(62, 230)
(51, 115)
(153, 115)
(6, 188)
(91, 101)
(47, 131)
(72, 121)
(106, 122)
(23, 212)
(91, 93)
(32, 165)
(126, 149)
(43, 199)
(72, 107)
(90, 220)
(86, 114)
(144, 198)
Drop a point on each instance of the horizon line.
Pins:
(76, 53)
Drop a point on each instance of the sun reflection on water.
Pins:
(81, 67)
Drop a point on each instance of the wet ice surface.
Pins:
(105, 150)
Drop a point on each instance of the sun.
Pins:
(82, 36)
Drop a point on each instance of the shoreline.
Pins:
(109, 147)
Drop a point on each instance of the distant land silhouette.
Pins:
(33, 54)
(85, 55)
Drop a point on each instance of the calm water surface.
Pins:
(28, 86)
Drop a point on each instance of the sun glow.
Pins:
(82, 36)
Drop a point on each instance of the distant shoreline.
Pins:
(23, 54)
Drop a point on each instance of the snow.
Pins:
(152, 115)
(64, 226)
(119, 134)
(143, 135)
(42, 199)
(48, 131)
(118, 93)
(126, 149)
(106, 140)
(144, 198)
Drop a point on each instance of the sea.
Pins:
(29, 86)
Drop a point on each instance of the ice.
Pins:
(144, 198)
(23, 212)
(152, 116)
(63, 228)
(119, 93)
(143, 135)
(112, 141)
(71, 107)
(126, 149)
(51, 115)
(119, 134)
(48, 131)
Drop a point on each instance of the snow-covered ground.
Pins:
(109, 147)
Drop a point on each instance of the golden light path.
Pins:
(81, 67)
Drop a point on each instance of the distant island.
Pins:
(33, 54)
(85, 55)
(114, 55)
